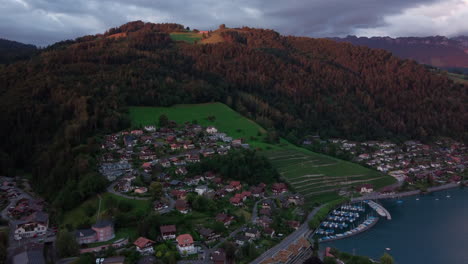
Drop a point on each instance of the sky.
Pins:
(43, 22)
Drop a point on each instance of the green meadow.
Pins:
(189, 37)
(318, 177)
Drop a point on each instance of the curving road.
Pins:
(301, 232)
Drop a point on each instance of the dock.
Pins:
(379, 209)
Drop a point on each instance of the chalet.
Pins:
(33, 225)
(181, 171)
(159, 205)
(193, 158)
(236, 185)
(218, 181)
(165, 163)
(236, 200)
(170, 139)
(222, 151)
(265, 211)
(202, 189)
(257, 192)
(245, 195)
(209, 175)
(175, 147)
(130, 140)
(267, 204)
(241, 239)
(218, 256)
(146, 166)
(264, 221)
(366, 188)
(208, 235)
(182, 206)
(211, 130)
(294, 224)
(236, 142)
(279, 188)
(179, 194)
(224, 218)
(168, 232)
(185, 245)
(189, 146)
(268, 232)
(252, 232)
(207, 152)
(150, 128)
(140, 190)
(137, 132)
(144, 246)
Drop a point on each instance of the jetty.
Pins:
(379, 209)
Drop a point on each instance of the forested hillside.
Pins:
(11, 51)
(54, 104)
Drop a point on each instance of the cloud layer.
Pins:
(43, 22)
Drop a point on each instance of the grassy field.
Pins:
(318, 177)
(189, 37)
(227, 120)
(87, 211)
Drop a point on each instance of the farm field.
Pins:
(189, 37)
(318, 177)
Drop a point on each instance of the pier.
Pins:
(379, 209)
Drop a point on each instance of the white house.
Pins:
(34, 225)
(185, 245)
(202, 189)
(211, 130)
(144, 246)
(150, 128)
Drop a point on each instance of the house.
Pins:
(202, 189)
(137, 132)
(257, 192)
(236, 185)
(33, 225)
(179, 194)
(168, 232)
(211, 130)
(224, 218)
(104, 230)
(185, 245)
(241, 239)
(236, 142)
(150, 128)
(203, 32)
(140, 190)
(236, 200)
(208, 235)
(130, 141)
(218, 256)
(181, 171)
(182, 206)
(264, 221)
(85, 236)
(279, 188)
(294, 224)
(144, 246)
(267, 204)
(366, 188)
(252, 232)
(165, 163)
(265, 211)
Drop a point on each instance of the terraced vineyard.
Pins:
(319, 177)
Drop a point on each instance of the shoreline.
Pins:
(408, 193)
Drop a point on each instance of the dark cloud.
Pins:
(43, 22)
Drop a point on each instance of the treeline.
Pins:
(55, 104)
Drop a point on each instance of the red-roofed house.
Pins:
(236, 200)
(168, 232)
(236, 185)
(185, 245)
(144, 246)
(279, 188)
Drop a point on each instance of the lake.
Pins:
(426, 229)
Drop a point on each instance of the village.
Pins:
(415, 165)
(154, 165)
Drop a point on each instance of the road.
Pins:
(300, 232)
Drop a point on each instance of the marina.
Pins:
(348, 220)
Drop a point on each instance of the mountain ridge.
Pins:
(437, 51)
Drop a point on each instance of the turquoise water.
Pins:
(431, 230)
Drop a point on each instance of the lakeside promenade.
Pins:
(376, 196)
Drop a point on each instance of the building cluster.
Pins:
(440, 162)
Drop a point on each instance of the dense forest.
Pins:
(56, 104)
(12, 51)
